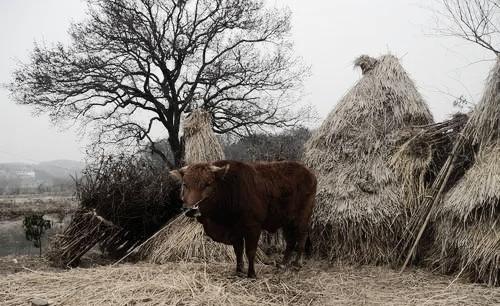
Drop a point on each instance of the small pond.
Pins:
(13, 240)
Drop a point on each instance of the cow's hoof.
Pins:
(252, 275)
(297, 265)
(239, 274)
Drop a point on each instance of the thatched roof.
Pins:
(477, 195)
(201, 144)
(479, 188)
(358, 200)
(468, 226)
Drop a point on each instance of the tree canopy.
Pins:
(134, 65)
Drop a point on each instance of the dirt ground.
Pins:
(216, 284)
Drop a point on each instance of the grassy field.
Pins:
(13, 207)
(215, 284)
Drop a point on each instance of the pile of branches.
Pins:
(123, 201)
(418, 161)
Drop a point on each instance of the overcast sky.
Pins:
(328, 35)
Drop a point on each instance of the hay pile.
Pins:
(201, 145)
(123, 201)
(184, 239)
(199, 284)
(359, 214)
(468, 220)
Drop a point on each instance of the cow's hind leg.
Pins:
(302, 230)
(251, 242)
(302, 234)
(238, 251)
(289, 234)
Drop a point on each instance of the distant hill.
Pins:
(61, 168)
(24, 177)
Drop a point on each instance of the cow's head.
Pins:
(198, 182)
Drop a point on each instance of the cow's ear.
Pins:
(219, 171)
(178, 174)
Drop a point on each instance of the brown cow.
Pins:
(237, 200)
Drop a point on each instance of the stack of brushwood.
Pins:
(462, 205)
(123, 201)
(417, 162)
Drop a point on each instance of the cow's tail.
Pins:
(308, 248)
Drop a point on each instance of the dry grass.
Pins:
(12, 207)
(468, 222)
(471, 250)
(214, 284)
(360, 212)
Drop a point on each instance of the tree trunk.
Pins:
(176, 147)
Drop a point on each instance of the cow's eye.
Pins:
(184, 185)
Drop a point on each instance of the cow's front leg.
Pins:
(238, 251)
(251, 242)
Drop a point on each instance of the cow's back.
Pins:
(269, 193)
(286, 187)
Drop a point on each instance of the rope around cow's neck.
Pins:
(197, 204)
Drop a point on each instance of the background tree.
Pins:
(135, 65)
(287, 145)
(34, 227)
(477, 21)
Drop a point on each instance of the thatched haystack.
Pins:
(468, 220)
(123, 201)
(201, 145)
(359, 215)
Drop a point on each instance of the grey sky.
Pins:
(328, 34)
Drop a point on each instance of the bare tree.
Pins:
(135, 65)
(477, 21)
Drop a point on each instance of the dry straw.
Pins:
(466, 218)
(201, 144)
(184, 239)
(468, 235)
(214, 284)
(359, 213)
